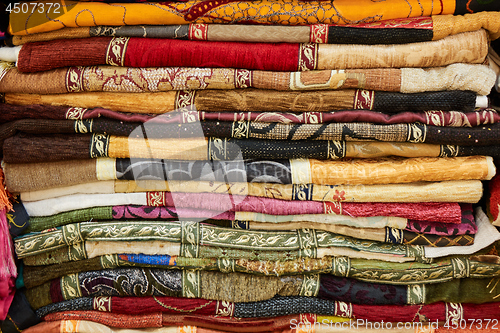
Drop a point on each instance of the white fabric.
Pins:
(9, 54)
(80, 201)
(486, 235)
(102, 187)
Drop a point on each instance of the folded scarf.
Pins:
(153, 193)
(305, 171)
(11, 113)
(265, 12)
(28, 148)
(428, 211)
(467, 47)
(260, 100)
(478, 78)
(397, 31)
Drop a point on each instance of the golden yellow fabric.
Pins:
(284, 12)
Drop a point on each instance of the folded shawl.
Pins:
(28, 113)
(407, 30)
(265, 12)
(260, 100)
(467, 47)
(27, 148)
(478, 78)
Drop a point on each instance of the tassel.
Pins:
(8, 267)
(4, 194)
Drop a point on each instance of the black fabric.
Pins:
(277, 171)
(368, 36)
(473, 6)
(78, 304)
(455, 100)
(282, 306)
(20, 316)
(353, 291)
(164, 31)
(18, 218)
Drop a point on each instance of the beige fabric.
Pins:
(467, 47)
(86, 326)
(101, 248)
(478, 78)
(100, 187)
(365, 222)
(445, 25)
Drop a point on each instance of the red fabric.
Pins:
(42, 56)
(494, 200)
(151, 52)
(110, 319)
(138, 305)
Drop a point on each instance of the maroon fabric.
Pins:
(152, 52)
(42, 56)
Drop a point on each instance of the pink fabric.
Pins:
(8, 269)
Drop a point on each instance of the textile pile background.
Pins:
(250, 166)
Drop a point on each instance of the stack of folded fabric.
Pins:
(248, 166)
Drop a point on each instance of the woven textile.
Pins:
(24, 148)
(468, 47)
(408, 30)
(258, 100)
(477, 78)
(342, 12)
(11, 112)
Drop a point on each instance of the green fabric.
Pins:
(194, 236)
(40, 223)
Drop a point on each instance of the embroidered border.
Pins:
(99, 145)
(74, 79)
(226, 265)
(84, 126)
(308, 56)
(332, 207)
(191, 284)
(449, 151)
(198, 31)
(156, 199)
(109, 261)
(77, 252)
(75, 113)
(302, 192)
(217, 149)
(415, 294)
(308, 321)
(115, 54)
(224, 309)
(313, 117)
(184, 100)
(70, 287)
(435, 118)
(102, 303)
(416, 133)
(242, 78)
(461, 267)
(240, 129)
(336, 150)
(364, 99)
(341, 266)
(190, 239)
(454, 313)
(301, 171)
(310, 285)
(394, 236)
(237, 224)
(319, 33)
(343, 309)
(190, 116)
(71, 234)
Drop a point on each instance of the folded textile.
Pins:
(494, 200)
(478, 78)
(429, 211)
(397, 31)
(27, 113)
(261, 100)
(266, 12)
(304, 171)
(133, 193)
(467, 47)
(192, 236)
(28, 148)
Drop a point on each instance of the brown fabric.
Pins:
(52, 82)
(445, 25)
(81, 32)
(21, 177)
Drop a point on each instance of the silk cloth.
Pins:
(265, 12)
(259, 100)
(28, 148)
(12, 113)
(467, 47)
(408, 30)
(478, 78)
